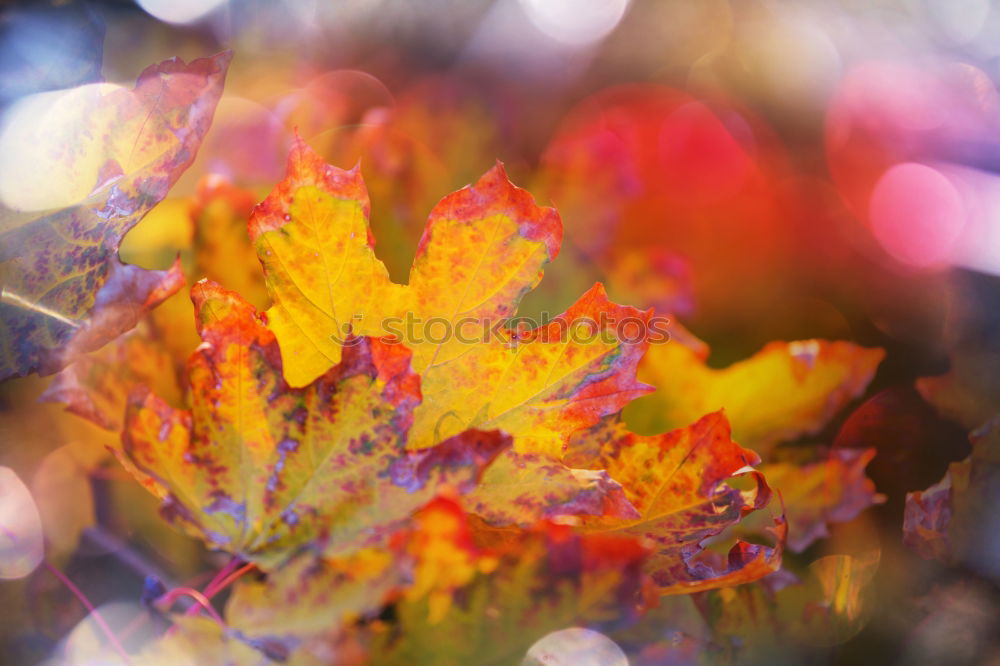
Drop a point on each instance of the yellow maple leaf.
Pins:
(785, 390)
(483, 248)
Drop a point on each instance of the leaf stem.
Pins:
(221, 575)
(222, 580)
(230, 579)
(96, 614)
(168, 599)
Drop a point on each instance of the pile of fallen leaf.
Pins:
(435, 502)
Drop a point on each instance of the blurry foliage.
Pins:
(715, 161)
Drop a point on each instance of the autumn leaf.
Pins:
(786, 390)
(453, 601)
(520, 488)
(955, 520)
(261, 469)
(677, 483)
(831, 489)
(536, 582)
(303, 608)
(927, 517)
(482, 249)
(64, 290)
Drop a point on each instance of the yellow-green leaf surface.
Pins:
(786, 390)
(482, 249)
(678, 484)
(262, 469)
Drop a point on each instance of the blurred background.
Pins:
(760, 169)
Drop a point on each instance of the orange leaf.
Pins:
(454, 602)
(482, 249)
(262, 469)
(678, 484)
(831, 490)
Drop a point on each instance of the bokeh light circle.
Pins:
(916, 214)
(180, 11)
(575, 646)
(575, 22)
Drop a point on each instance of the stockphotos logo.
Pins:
(412, 330)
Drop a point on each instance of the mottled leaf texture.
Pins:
(520, 488)
(454, 601)
(677, 482)
(536, 582)
(482, 249)
(786, 390)
(302, 609)
(261, 469)
(64, 289)
(833, 489)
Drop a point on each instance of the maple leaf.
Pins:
(785, 390)
(482, 249)
(64, 290)
(831, 489)
(261, 469)
(677, 483)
